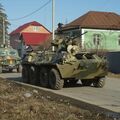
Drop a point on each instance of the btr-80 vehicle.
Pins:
(66, 64)
(9, 59)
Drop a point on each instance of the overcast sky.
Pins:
(65, 10)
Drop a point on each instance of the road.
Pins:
(107, 97)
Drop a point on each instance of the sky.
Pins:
(65, 10)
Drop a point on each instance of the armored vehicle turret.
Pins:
(66, 64)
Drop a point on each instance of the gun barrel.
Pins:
(79, 35)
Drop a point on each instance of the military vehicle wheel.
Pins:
(33, 75)
(55, 82)
(25, 74)
(99, 82)
(86, 82)
(43, 77)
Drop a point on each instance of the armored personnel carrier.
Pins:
(9, 59)
(66, 64)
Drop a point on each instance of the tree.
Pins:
(3, 26)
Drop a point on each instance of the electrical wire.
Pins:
(31, 12)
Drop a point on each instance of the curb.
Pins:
(48, 93)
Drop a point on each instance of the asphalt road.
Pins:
(107, 97)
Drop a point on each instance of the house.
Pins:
(29, 34)
(102, 30)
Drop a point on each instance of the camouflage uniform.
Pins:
(72, 49)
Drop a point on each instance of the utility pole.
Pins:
(53, 21)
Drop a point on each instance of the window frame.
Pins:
(97, 39)
(119, 40)
(35, 28)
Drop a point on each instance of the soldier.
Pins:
(75, 48)
(72, 49)
(57, 41)
(70, 46)
(60, 44)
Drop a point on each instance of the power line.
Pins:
(31, 12)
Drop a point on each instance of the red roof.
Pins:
(19, 29)
(35, 38)
(95, 19)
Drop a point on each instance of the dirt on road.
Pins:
(20, 103)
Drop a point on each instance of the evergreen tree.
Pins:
(3, 26)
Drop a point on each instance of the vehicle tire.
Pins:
(99, 82)
(43, 77)
(55, 81)
(0, 69)
(33, 75)
(25, 74)
(86, 82)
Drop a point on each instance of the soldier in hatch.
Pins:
(72, 49)
(60, 44)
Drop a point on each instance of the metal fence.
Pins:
(114, 62)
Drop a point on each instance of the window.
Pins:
(96, 39)
(119, 40)
(35, 28)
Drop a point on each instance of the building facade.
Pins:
(102, 30)
(107, 40)
(29, 34)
